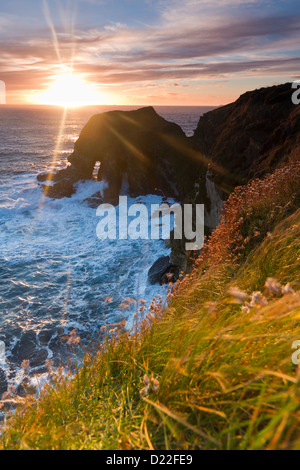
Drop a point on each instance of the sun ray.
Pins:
(52, 28)
(49, 179)
(56, 152)
(134, 151)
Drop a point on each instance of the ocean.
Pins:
(55, 274)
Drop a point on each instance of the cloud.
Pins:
(191, 40)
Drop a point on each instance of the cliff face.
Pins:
(139, 152)
(249, 137)
(142, 153)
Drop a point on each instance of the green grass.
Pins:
(226, 379)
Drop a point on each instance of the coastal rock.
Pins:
(139, 153)
(27, 349)
(46, 335)
(163, 272)
(171, 275)
(60, 184)
(250, 137)
(25, 388)
(3, 382)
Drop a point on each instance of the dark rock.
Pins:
(239, 141)
(250, 137)
(8, 405)
(171, 275)
(138, 149)
(27, 349)
(95, 200)
(145, 154)
(158, 269)
(25, 388)
(61, 183)
(162, 271)
(60, 190)
(45, 336)
(43, 177)
(3, 382)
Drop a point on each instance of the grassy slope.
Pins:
(226, 379)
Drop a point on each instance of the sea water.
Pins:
(55, 274)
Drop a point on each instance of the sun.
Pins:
(71, 90)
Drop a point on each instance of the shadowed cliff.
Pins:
(142, 153)
(139, 153)
(250, 137)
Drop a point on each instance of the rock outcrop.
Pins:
(163, 272)
(142, 153)
(139, 153)
(3, 382)
(249, 137)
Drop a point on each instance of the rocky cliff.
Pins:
(139, 153)
(249, 137)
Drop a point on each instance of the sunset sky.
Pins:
(141, 52)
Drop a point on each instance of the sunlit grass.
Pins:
(213, 371)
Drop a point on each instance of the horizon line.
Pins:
(7, 105)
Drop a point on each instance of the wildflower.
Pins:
(145, 390)
(246, 309)
(238, 295)
(49, 365)
(25, 365)
(73, 339)
(287, 289)
(108, 300)
(150, 317)
(121, 324)
(151, 383)
(273, 286)
(113, 331)
(11, 392)
(123, 306)
(258, 300)
(126, 303)
(155, 384)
